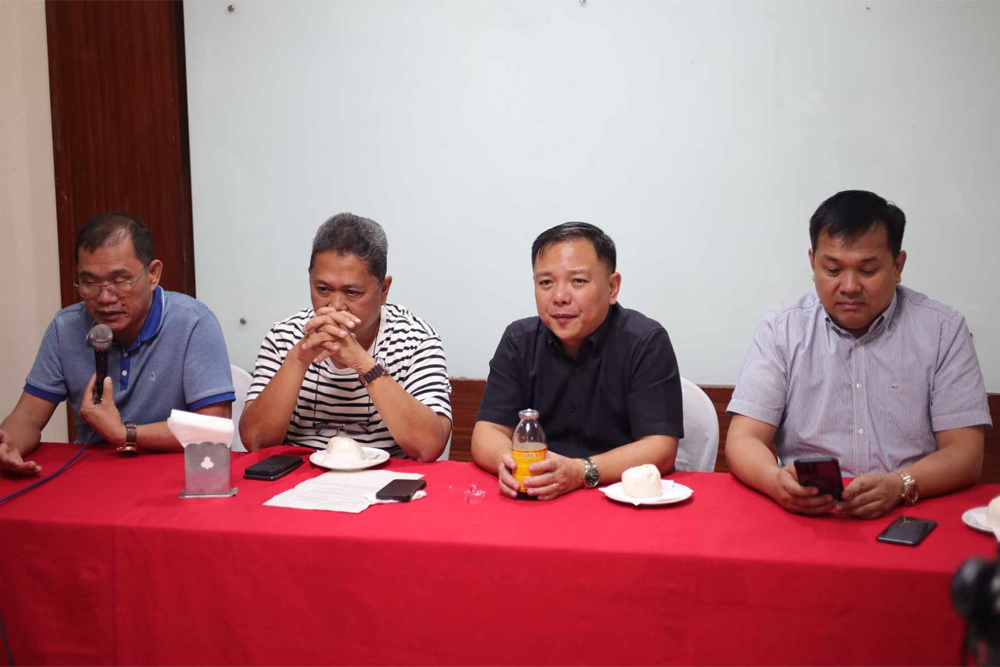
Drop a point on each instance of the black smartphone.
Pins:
(907, 530)
(273, 467)
(400, 489)
(823, 473)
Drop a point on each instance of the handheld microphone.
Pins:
(100, 339)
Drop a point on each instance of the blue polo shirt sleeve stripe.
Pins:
(47, 395)
(212, 400)
(47, 378)
(207, 373)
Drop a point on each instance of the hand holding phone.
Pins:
(821, 473)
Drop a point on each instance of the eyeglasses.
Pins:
(120, 288)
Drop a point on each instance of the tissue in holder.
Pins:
(206, 441)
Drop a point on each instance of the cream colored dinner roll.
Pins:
(993, 513)
(642, 481)
(345, 449)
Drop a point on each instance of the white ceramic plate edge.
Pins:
(615, 492)
(373, 457)
(976, 519)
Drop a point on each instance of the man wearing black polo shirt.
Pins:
(603, 378)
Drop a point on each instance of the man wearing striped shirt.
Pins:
(352, 364)
(861, 369)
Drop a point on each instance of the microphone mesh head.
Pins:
(100, 337)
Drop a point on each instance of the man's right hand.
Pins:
(11, 461)
(508, 484)
(312, 348)
(787, 492)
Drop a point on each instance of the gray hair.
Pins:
(361, 237)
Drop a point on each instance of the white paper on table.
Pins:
(338, 491)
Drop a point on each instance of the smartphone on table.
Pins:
(822, 473)
(907, 530)
(273, 467)
(400, 489)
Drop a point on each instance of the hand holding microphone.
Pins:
(103, 416)
(100, 339)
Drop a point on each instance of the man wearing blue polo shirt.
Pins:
(168, 352)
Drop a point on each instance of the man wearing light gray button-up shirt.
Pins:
(863, 370)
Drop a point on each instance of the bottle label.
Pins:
(524, 458)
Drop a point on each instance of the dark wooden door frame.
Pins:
(119, 126)
(118, 90)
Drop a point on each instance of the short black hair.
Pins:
(114, 228)
(853, 213)
(361, 237)
(567, 231)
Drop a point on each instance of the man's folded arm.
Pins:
(956, 464)
(417, 411)
(490, 441)
(420, 432)
(268, 411)
(659, 450)
(748, 455)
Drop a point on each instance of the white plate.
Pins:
(976, 519)
(373, 456)
(671, 492)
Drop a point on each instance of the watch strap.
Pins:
(130, 445)
(377, 371)
(591, 474)
(911, 491)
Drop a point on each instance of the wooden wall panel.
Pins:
(466, 395)
(119, 126)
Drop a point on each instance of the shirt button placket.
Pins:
(863, 451)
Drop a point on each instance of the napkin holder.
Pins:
(206, 471)
(206, 441)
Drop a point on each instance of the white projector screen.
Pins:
(701, 136)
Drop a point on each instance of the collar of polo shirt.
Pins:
(595, 341)
(881, 322)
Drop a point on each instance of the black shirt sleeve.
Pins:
(505, 393)
(654, 400)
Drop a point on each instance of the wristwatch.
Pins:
(591, 475)
(377, 371)
(911, 492)
(131, 434)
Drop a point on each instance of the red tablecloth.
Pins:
(106, 564)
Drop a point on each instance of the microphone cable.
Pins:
(6, 644)
(43, 480)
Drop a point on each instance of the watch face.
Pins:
(592, 476)
(912, 493)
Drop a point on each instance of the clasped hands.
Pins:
(866, 497)
(330, 335)
(549, 479)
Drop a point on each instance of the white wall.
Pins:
(29, 261)
(701, 136)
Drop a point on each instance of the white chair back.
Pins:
(447, 450)
(700, 445)
(241, 385)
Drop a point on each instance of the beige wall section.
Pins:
(29, 261)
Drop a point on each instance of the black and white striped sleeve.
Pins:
(427, 377)
(271, 355)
